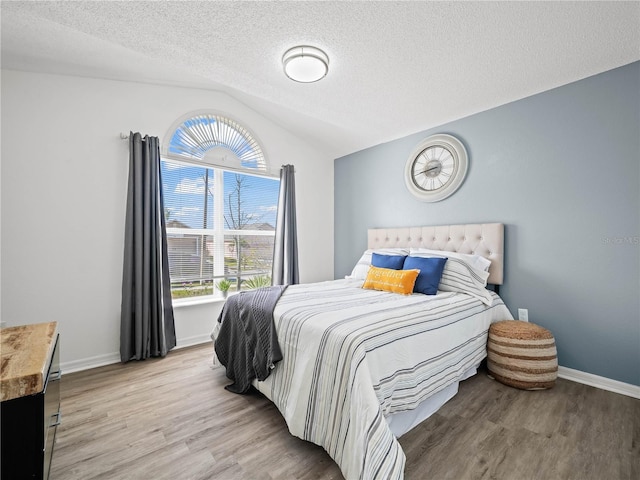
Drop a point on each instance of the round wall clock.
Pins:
(436, 168)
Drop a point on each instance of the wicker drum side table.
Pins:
(522, 355)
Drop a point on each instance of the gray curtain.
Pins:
(146, 324)
(285, 252)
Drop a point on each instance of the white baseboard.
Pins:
(599, 382)
(91, 362)
(111, 358)
(195, 340)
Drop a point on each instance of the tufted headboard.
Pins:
(486, 239)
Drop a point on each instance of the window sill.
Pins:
(188, 302)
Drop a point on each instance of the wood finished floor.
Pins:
(172, 419)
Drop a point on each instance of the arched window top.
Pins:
(217, 140)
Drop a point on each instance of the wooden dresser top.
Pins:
(25, 353)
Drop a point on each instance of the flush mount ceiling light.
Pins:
(305, 64)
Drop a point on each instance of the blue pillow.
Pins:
(430, 273)
(393, 262)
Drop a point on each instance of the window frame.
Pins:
(217, 230)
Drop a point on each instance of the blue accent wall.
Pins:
(561, 169)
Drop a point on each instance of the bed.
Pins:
(362, 367)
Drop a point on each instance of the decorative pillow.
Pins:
(476, 261)
(394, 262)
(388, 280)
(361, 268)
(430, 273)
(459, 276)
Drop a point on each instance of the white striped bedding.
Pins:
(353, 356)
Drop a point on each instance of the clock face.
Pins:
(433, 168)
(436, 168)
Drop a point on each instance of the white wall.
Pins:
(64, 178)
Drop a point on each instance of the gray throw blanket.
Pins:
(247, 344)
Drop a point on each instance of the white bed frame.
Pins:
(485, 239)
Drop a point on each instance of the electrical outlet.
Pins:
(523, 314)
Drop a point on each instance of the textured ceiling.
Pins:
(396, 68)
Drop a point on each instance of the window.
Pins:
(220, 208)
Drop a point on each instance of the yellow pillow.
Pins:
(388, 280)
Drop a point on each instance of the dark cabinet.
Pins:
(29, 425)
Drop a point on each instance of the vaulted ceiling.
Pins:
(396, 68)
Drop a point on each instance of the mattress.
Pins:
(353, 358)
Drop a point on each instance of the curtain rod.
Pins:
(124, 136)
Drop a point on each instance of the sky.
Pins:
(187, 189)
(184, 195)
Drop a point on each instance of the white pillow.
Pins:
(476, 261)
(459, 276)
(361, 269)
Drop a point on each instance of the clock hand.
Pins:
(424, 172)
